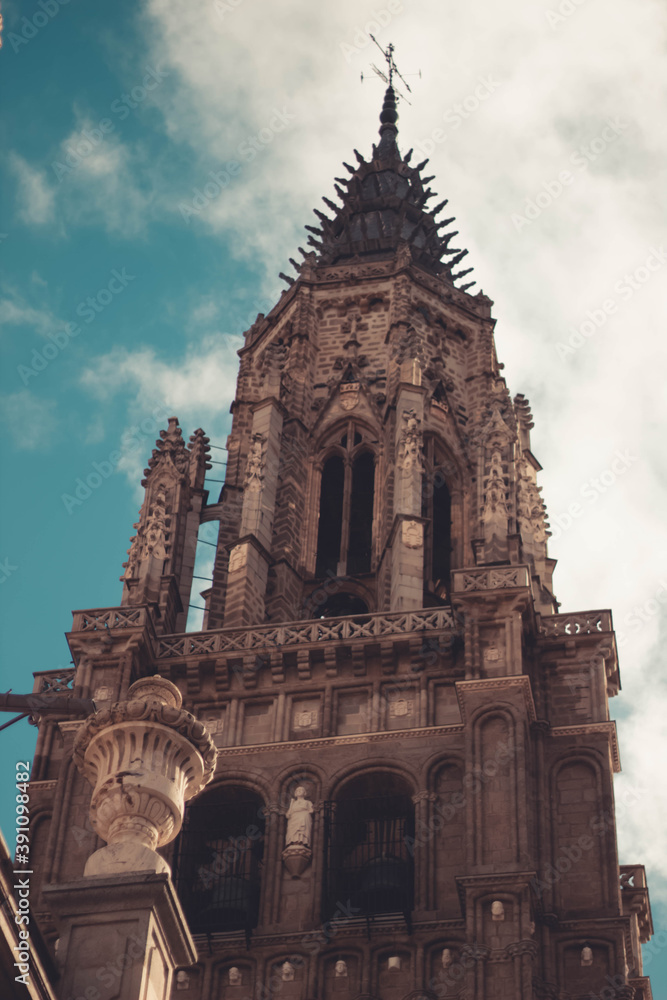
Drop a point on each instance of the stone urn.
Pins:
(145, 757)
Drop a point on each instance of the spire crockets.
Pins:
(383, 205)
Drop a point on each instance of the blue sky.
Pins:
(159, 162)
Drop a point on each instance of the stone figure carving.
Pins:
(287, 972)
(299, 819)
(340, 969)
(255, 466)
(497, 910)
(446, 958)
(586, 955)
(410, 444)
(235, 977)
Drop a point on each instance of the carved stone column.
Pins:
(121, 926)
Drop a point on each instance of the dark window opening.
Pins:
(218, 861)
(369, 833)
(361, 515)
(442, 541)
(331, 517)
(339, 605)
(437, 511)
(347, 494)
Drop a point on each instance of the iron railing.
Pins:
(218, 866)
(368, 866)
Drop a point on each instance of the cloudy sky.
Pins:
(160, 159)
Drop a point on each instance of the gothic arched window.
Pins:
(436, 508)
(218, 860)
(345, 530)
(369, 832)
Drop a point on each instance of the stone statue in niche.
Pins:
(446, 958)
(586, 955)
(235, 977)
(297, 854)
(340, 969)
(287, 972)
(497, 910)
(299, 819)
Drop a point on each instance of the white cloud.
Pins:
(35, 197)
(30, 420)
(198, 388)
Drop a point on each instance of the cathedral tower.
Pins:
(414, 786)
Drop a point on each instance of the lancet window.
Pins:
(347, 491)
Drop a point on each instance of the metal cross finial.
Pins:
(388, 54)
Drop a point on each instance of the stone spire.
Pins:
(383, 205)
(162, 553)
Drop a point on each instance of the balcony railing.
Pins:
(307, 633)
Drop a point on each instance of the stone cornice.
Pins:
(330, 741)
(593, 729)
(498, 684)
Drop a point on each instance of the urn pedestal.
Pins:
(145, 758)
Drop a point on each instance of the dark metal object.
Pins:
(41, 704)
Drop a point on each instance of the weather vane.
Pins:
(393, 70)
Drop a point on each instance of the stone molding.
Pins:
(498, 684)
(593, 729)
(327, 741)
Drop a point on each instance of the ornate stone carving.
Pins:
(412, 534)
(400, 708)
(254, 472)
(287, 972)
(235, 977)
(151, 536)
(410, 441)
(144, 757)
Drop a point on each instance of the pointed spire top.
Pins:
(388, 130)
